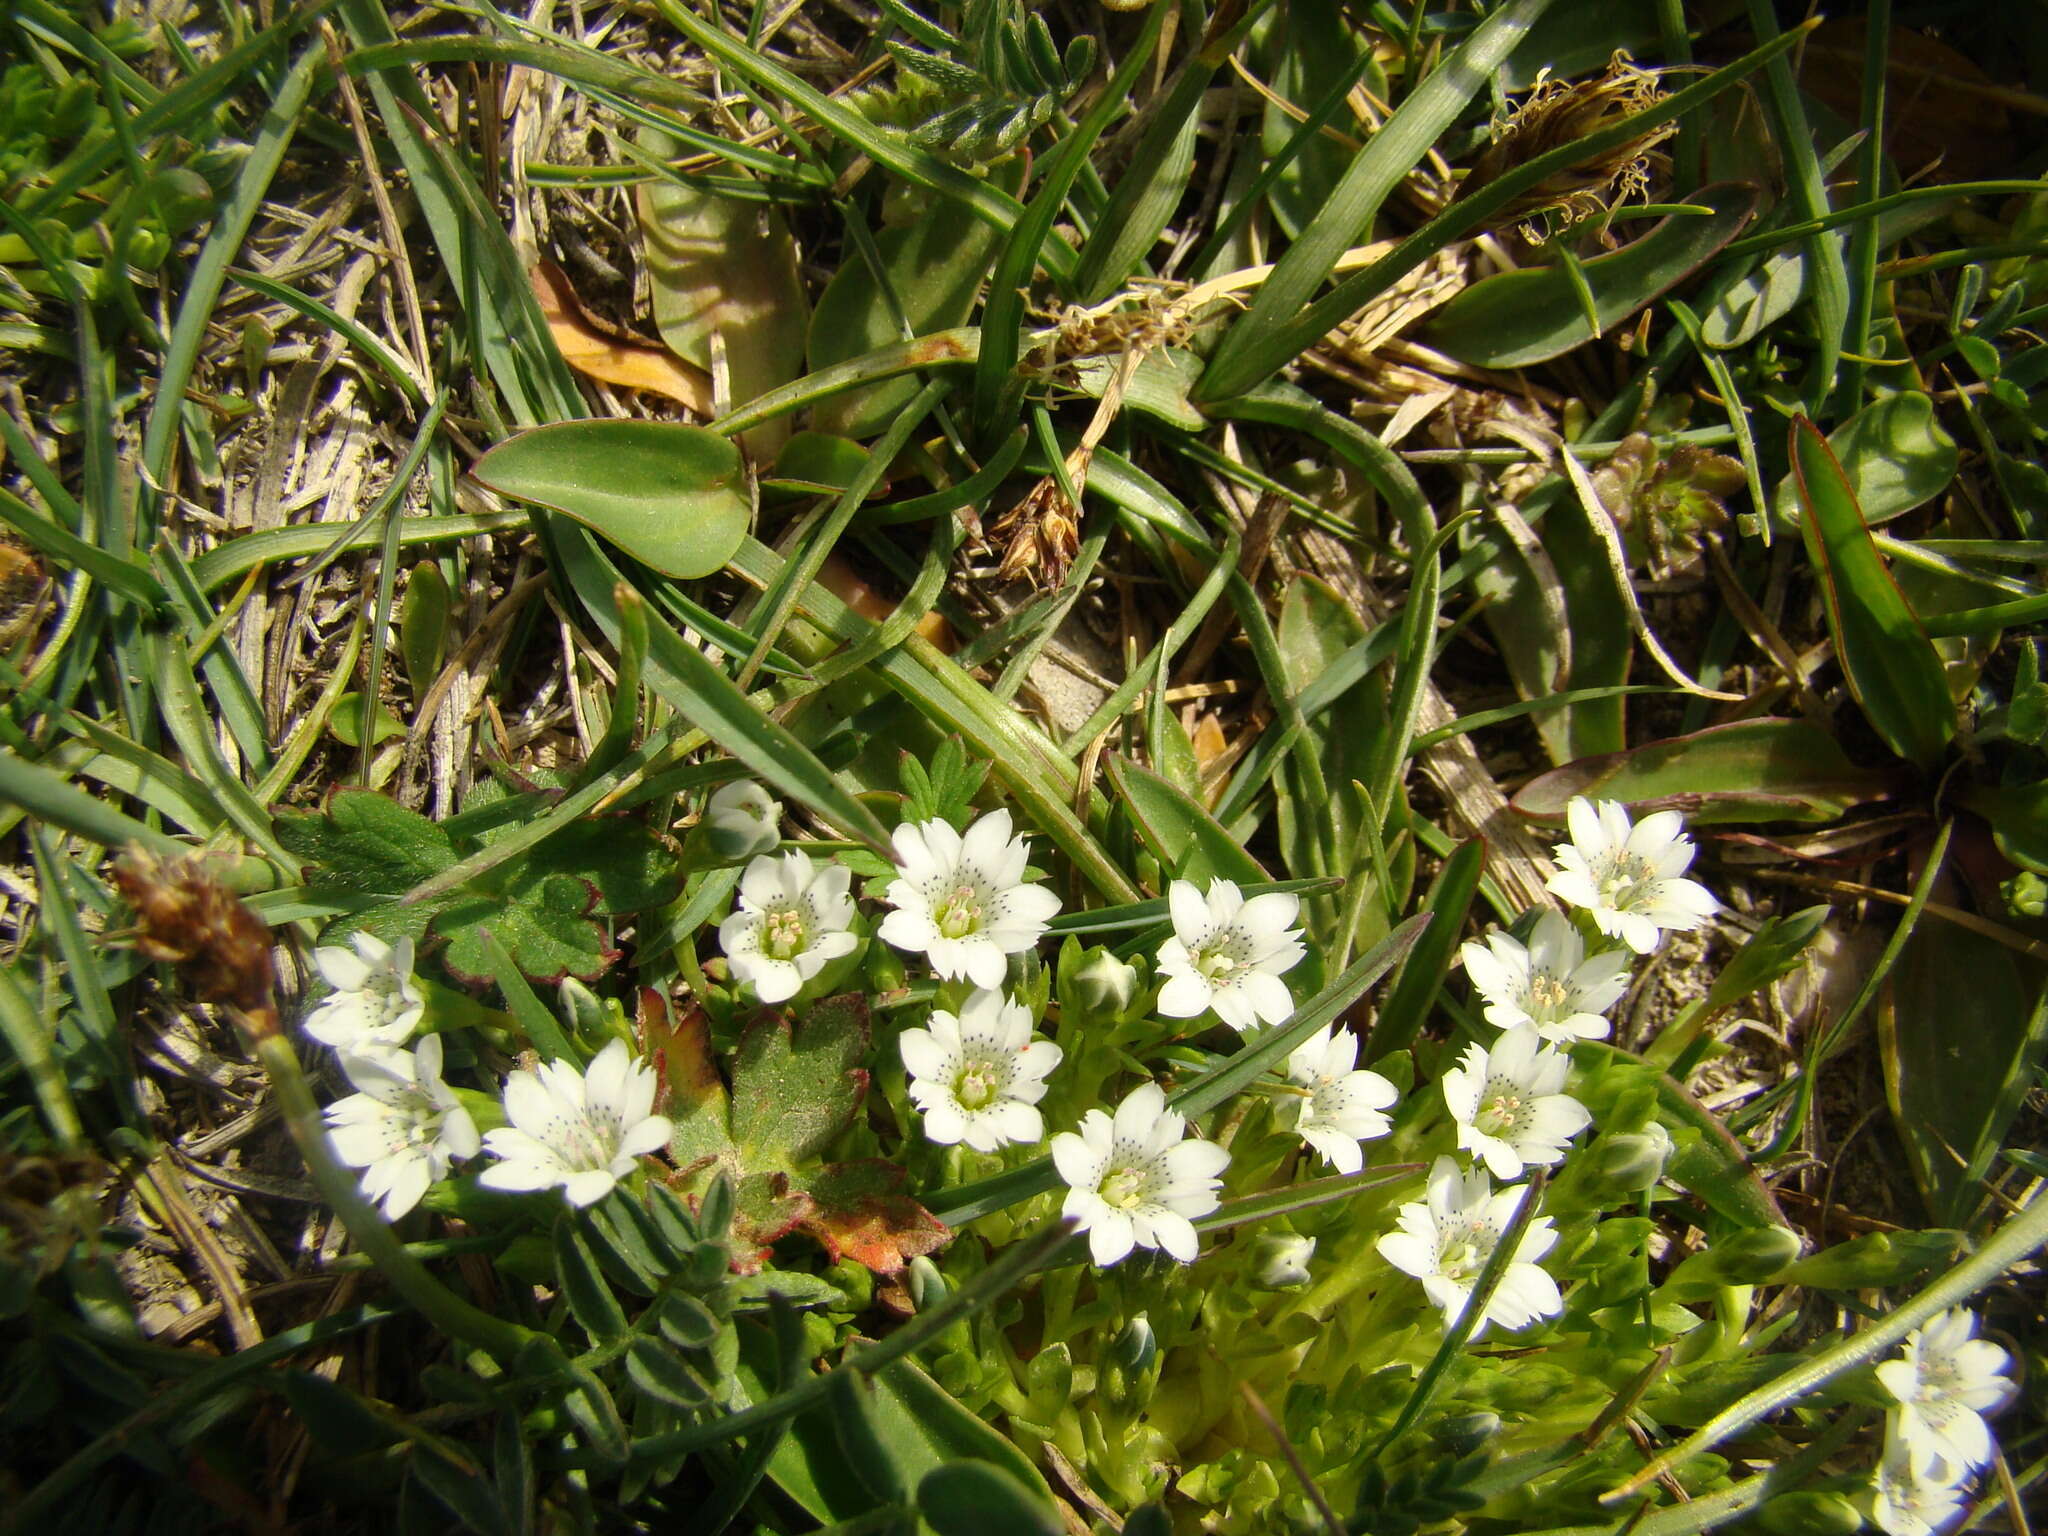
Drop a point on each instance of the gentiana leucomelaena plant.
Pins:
(1139, 1212)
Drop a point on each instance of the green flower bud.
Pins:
(1280, 1260)
(1632, 1160)
(1756, 1255)
(1104, 984)
(1467, 1432)
(1136, 1346)
(741, 821)
(926, 1285)
(2026, 894)
(1809, 1512)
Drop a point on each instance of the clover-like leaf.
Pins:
(543, 920)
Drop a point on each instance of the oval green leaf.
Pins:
(1515, 319)
(1183, 836)
(1891, 666)
(673, 497)
(1895, 454)
(1749, 771)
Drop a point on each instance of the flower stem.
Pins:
(442, 1307)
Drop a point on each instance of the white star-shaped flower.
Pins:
(1509, 1103)
(794, 915)
(978, 1076)
(1229, 954)
(1133, 1181)
(1628, 878)
(582, 1133)
(1343, 1107)
(1910, 1500)
(375, 1000)
(1446, 1239)
(1946, 1380)
(402, 1124)
(1549, 984)
(963, 900)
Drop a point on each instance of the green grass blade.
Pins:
(52, 798)
(996, 385)
(1389, 155)
(1263, 352)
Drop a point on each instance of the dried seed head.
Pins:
(1040, 537)
(1556, 114)
(185, 917)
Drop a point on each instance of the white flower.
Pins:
(1550, 984)
(1906, 1500)
(402, 1124)
(1946, 1380)
(740, 820)
(1228, 954)
(1134, 1181)
(1343, 1107)
(374, 1002)
(793, 916)
(963, 900)
(978, 1077)
(583, 1133)
(1508, 1105)
(1446, 1240)
(1628, 879)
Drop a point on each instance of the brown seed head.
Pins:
(186, 918)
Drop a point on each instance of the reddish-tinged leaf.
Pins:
(861, 1214)
(766, 1210)
(690, 1091)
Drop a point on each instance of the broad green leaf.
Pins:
(1748, 771)
(347, 719)
(919, 1425)
(1756, 302)
(1515, 319)
(816, 463)
(1183, 836)
(725, 267)
(797, 1085)
(934, 267)
(423, 625)
(1962, 1039)
(1159, 385)
(544, 922)
(673, 497)
(363, 841)
(2018, 814)
(1896, 457)
(1890, 664)
(973, 1498)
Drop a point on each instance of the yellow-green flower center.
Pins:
(1547, 993)
(977, 1086)
(783, 934)
(1124, 1188)
(959, 912)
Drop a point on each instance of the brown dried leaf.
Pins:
(611, 356)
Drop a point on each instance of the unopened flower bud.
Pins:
(1104, 984)
(1136, 1346)
(926, 1285)
(1280, 1259)
(1467, 1432)
(1632, 1160)
(1810, 1512)
(1757, 1254)
(741, 821)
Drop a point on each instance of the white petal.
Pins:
(1110, 1237)
(1184, 995)
(1190, 912)
(589, 1186)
